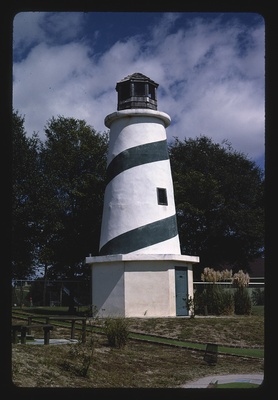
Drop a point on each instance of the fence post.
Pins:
(29, 323)
(211, 353)
(84, 330)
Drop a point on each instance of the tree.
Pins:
(24, 198)
(219, 197)
(74, 164)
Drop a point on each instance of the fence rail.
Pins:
(226, 283)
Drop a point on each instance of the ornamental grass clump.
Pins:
(216, 299)
(210, 275)
(242, 299)
(116, 330)
(241, 279)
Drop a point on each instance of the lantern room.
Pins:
(136, 91)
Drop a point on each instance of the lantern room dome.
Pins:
(136, 91)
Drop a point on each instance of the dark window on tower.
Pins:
(139, 89)
(162, 196)
(125, 91)
(152, 92)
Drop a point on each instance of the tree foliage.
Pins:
(219, 196)
(74, 164)
(24, 198)
(58, 188)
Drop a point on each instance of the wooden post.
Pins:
(46, 334)
(15, 338)
(23, 334)
(83, 330)
(16, 329)
(211, 353)
(72, 328)
(29, 323)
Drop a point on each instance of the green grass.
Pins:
(243, 352)
(258, 310)
(228, 327)
(237, 385)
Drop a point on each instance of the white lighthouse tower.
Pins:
(140, 271)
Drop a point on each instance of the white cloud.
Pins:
(31, 28)
(210, 75)
(27, 30)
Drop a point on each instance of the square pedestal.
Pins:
(141, 285)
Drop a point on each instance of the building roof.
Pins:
(137, 76)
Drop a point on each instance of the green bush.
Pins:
(199, 301)
(80, 358)
(242, 300)
(214, 300)
(218, 300)
(258, 297)
(226, 302)
(116, 330)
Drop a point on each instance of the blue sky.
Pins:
(210, 68)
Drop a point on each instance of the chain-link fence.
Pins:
(50, 293)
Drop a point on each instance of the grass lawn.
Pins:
(140, 364)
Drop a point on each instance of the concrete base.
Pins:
(137, 285)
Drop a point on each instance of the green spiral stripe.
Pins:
(142, 154)
(141, 237)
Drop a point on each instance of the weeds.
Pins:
(116, 330)
(80, 357)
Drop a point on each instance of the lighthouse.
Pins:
(139, 271)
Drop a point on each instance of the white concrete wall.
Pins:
(149, 291)
(108, 289)
(190, 280)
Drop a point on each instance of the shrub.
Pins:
(219, 301)
(199, 301)
(116, 330)
(243, 304)
(214, 300)
(212, 295)
(80, 358)
(226, 302)
(258, 297)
